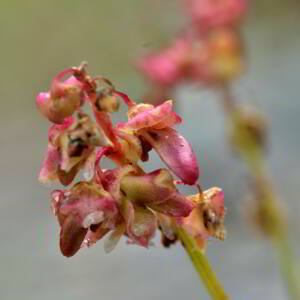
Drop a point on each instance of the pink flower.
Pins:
(165, 67)
(63, 99)
(153, 124)
(213, 58)
(208, 14)
(207, 218)
(70, 145)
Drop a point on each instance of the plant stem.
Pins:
(288, 267)
(202, 266)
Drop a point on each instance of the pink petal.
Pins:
(170, 121)
(156, 190)
(111, 180)
(154, 187)
(88, 203)
(50, 165)
(176, 152)
(57, 129)
(140, 223)
(176, 205)
(148, 118)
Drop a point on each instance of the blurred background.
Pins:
(38, 39)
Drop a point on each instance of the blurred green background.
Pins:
(38, 39)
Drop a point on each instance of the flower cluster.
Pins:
(209, 52)
(124, 200)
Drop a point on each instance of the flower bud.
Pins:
(62, 101)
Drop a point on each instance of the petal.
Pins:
(57, 129)
(207, 219)
(111, 180)
(148, 118)
(65, 178)
(169, 121)
(88, 202)
(89, 167)
(176, 152)
(176, 205)
(165, 223)
(50, 166)
(130, 150)
(113, 239)
(71, 236)
(141, 223)
(95, 235)
(154, 187)
(157, 191)
(78, 141)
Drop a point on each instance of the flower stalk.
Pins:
(202, 266)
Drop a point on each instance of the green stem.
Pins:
(288, 267)
(202, 266)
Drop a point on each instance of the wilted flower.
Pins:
(207, 219)
(69, 147)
